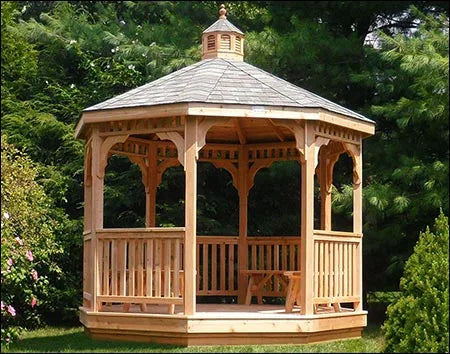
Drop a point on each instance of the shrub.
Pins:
(418, 320)
(27, 244)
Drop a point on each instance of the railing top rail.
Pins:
(142, 229)
(273, 238)
(337, 233)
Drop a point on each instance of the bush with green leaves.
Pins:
(418, 321)
(28, 244)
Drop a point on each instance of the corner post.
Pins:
(97, 211)
(151, 187)
(190, 166)
(243, 212)
(357, 221)
(307, 241)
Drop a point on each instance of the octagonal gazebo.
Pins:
(142, 283)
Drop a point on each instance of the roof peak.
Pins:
(223, 39)
(222, 12)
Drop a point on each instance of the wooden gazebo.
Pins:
(142, 283)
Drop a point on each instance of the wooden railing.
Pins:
(217, 265)
(274, 253)
(141, 266)
(336, 267)
(87, 269)
(217, 262)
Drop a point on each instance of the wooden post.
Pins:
(325, 195)
(97, 211)
(87, 244)
(151, 188)
(357, 219)
(190, 166)
(307, 242)
(243, 212)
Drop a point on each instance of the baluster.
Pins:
(222, 266)
(131, 267)
(113, 267)
(325, 268)
(231, 267)
(205, 267)
(176, 269)
(213, 267)
(149, 267)
(157, 265)
(167, 258)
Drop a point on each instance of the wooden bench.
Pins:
(293, 291)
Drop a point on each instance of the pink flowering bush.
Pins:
(28, 245)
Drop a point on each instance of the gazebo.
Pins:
(142, 283)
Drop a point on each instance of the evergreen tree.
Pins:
(418, 321)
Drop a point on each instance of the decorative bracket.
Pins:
(178, 140)
(203, 127)
(355, 153)
(107, 144)
(320, 140)
(88, 165)
(229, 166)
(299, 133)
(142, 162)
(252, 171)
(163, 166)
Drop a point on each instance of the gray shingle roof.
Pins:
(222, 81)
(222, 25)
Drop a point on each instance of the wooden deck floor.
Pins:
(221, 324)
(227, 311)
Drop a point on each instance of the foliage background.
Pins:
(385, 59)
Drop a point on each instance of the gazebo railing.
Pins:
(145, 266)
(141, 266)
(274, 253)
(217, 265)
(217, 262)
(336, 267)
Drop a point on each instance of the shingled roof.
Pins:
(222, 25)
(225, 82)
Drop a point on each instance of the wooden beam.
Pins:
(243, 212)
(357, 220)
(241, 135)
(307, 241)
(190, 215)
(150, 207)
(276, 130)
(97, 212)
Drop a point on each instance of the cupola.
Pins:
(222, 39)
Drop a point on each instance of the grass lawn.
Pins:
(68, 340)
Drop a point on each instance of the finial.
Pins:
(222, 12)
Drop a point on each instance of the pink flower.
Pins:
(10, 262)
(3, 305)
(30, 255)
(19, 241)
(34, 274)
(33, 302)
(11, 310)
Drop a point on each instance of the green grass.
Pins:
(68, 340)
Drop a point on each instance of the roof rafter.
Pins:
(277, 130)
(240, 132)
